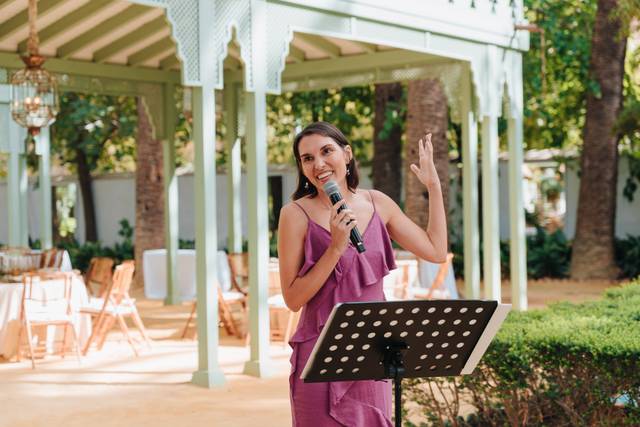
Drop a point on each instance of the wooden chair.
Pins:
(51, 258)
(278, 311)
(113, 307)
(239, 271)
(98, 276)
(230, 267)
(436, 290)
(45, 311)
(227, 300)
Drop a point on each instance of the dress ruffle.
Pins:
(353, 278)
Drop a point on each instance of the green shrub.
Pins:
(81, 254)
(628, 256)
(548, 255)
(565, 365)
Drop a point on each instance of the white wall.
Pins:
(115, 199)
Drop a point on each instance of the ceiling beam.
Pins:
(100, 30)
(351, 63)
(320, 43)
(150, 28)
(68, 21)
(234, 52)
(20, 19)
(150, 51)
(367, 47)
(296, 53)
(169, 61)
(12, 61)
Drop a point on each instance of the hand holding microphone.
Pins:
(333, 192)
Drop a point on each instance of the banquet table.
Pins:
(154, 266)
(10, 302)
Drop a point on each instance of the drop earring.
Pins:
(348, 171)
(306, 185)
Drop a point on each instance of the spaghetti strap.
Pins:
(305, 212)
(372, 202)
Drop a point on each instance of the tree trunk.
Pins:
(387, 155)
(427, 113)
(149, 227)
(86, 188)
(593, 247)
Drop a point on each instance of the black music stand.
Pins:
(403, 339)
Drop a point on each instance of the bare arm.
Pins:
(297, 291)
(430, 245)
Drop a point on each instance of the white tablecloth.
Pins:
(154, 265)
(10, 301)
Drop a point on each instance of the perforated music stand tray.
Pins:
(403, 339)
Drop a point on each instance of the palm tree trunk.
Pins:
(593, 247)
(149, 227)
(427, 113)
(86, 188)
(387, 153)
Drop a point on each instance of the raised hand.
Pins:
(426, 173)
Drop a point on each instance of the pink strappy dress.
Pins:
(356, 277)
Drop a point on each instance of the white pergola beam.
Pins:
(44, 176)
(233, 144)
(470, 227)
(490, 209)
(170, 192)
(209, 373)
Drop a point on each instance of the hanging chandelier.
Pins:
(34, 95)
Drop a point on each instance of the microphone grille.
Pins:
(331, 187)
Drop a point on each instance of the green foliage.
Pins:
(564, 365)
(81, 254)
(101, 126)
(628, 255)
(548, 254)
(349, 108)
(555, 91)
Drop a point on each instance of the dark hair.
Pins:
(330, 131)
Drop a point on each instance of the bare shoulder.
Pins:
(293, 216)
(384, 204)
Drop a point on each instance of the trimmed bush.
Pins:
(574, 365)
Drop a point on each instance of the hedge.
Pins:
(569, 364)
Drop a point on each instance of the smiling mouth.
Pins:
(324, 177)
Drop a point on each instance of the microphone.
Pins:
(333, 191)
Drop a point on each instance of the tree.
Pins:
(149, 191)
(94, 133)
(386, 165)
(426, 113)
(593, 253)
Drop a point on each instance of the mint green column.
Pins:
(470, 191)
(44, 178)
(17, 186)
(490, 209)
(258, 208)
(209, 373)
(234, 166)
(518, 244)
(13, 199)
(170, 192)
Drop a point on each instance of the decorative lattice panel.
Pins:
(233, 14)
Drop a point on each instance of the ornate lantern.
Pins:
(34, 95)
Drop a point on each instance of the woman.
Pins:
(320, 268)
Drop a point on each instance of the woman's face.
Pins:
(323, 159)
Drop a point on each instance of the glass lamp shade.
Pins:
(34, 95)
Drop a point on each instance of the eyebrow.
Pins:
(322, 148)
